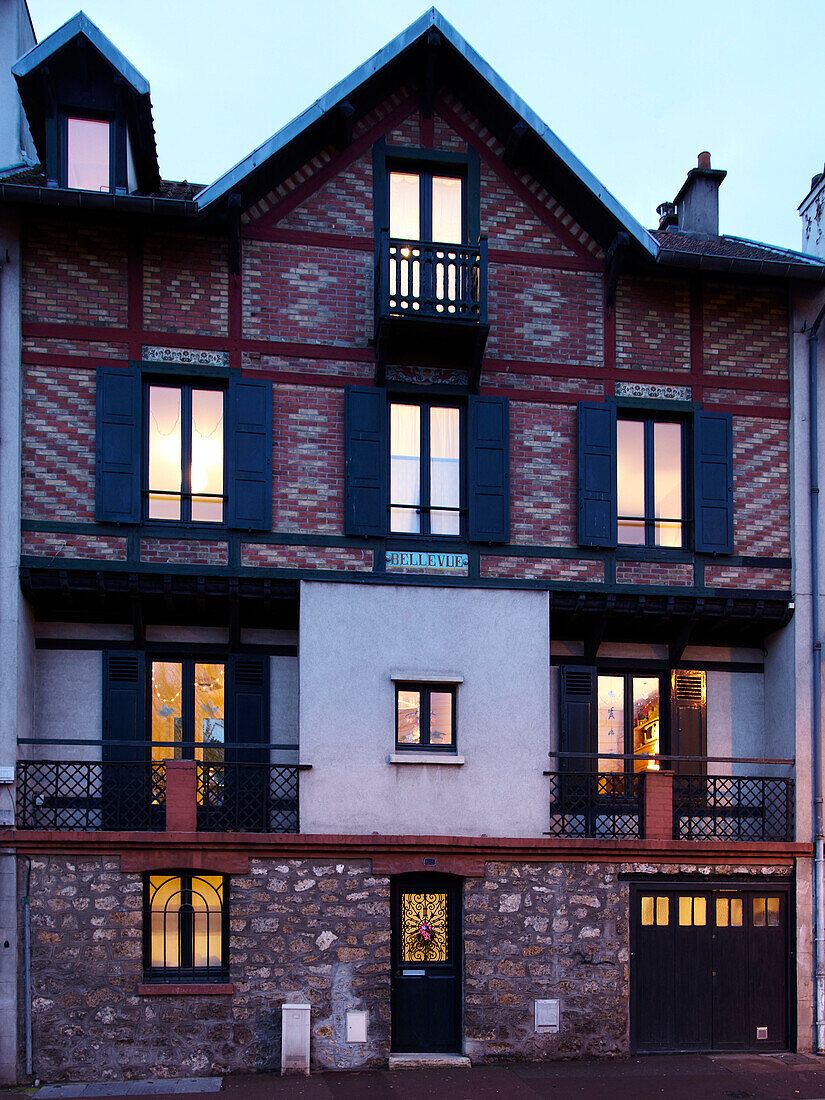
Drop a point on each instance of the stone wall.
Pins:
(319, 932)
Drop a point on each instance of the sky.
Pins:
(636, 88)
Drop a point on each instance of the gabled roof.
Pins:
(509, 107)
(81, 24)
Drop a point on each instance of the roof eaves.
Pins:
(742, 265)
(81, 24)
(384, 56)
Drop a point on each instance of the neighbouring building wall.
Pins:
(16, 38)
(354, 639)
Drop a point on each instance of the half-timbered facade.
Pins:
(404, 598)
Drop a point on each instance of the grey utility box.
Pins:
(295, 1039)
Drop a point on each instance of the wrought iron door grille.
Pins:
(247, 798)
(90, 795)
(596, 804)
(714, 807)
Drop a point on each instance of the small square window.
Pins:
(185, 453)
(88, 154)
(425, 717)
(185, 928)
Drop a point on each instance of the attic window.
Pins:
(88, 154)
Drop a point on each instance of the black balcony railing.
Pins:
(87, 795)
(725, 807)
(427, 280)
(248, 798)
(607, 805)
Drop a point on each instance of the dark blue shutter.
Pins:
(366, 485)
(713, 482)
(578, 716)
(247, 710)
(118, 445)
(249, 453)
(126, 800)
(597, 475)
(688, 721)
(488, 480)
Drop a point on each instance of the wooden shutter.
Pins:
(489, 469)
(366, 453)
(688, 721)
(713, 482)
(578, 716)
(597, 474)
(118, 445)
(124, 704)
(247, 707)
(249, 454)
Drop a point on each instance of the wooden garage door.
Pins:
(709, 969)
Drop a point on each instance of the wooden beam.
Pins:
(234, 233)
(513, 143)
(343, 120)
(613, 267)
(428, 83)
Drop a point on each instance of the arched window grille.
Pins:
(185, 928)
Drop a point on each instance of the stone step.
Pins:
(429, 1061)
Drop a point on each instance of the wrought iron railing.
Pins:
(248, 798)
(733, 807)
(429, 280)
(607, 805)
(88, 795)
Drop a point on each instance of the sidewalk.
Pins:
(675, 1077)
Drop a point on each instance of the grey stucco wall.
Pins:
(283, 708)
(353, 637)
(67, 703)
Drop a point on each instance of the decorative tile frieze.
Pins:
(649, 390)
(186, 355)
(428, 376)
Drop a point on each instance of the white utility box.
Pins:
(295, 1039)
(7, 773)
(547, 1017)
(356, 1026)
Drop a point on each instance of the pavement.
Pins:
(674, 1077)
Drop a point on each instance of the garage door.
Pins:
(709, 969)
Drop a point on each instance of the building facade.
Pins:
(402, 609)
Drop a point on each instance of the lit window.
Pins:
(425, 469)
(649, 482)
(187, 711)
(425, 716)
(87, 154)
(186, 454)
(629, 720)
(185, 928)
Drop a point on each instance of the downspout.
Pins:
(27, 974)
(816, 691)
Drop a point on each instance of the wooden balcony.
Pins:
(431, 303)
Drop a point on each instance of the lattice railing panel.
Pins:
(733, 807)
(248, 798)
(596, 805)
(90, 795)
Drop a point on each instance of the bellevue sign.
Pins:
(413, 559)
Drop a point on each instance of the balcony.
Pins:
(175, 795)
(661, 805)
(431, 302)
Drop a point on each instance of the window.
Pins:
(88, 154)
(638, 473)
(629, 720)
(185, 453)
(187, 713)
(426, 486)
(427, 206)
(185, 928)
(649, 482)
(175, 449)
(410, 465)
(639, 712)
(425, 716)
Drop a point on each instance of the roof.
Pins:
(34, 176)
(379, 62)
(81, 24)
(734, 253)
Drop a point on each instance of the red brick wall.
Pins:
(53, 545)
(543, 474)
(746, 330)
(306, 557)
(510, 223)
(183, 552)
(761, 489)
(551, 569)
(653, 324)
(74, 271)
(185, 286)
(344, 205)
(308, 460)
(652, 572)
(58, 443)
(731, 576)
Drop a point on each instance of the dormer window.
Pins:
(88, 154)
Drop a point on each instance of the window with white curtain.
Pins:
(425, 469)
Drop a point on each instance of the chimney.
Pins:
(697, 204)
(813, 217)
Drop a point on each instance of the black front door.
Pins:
(426, 964)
